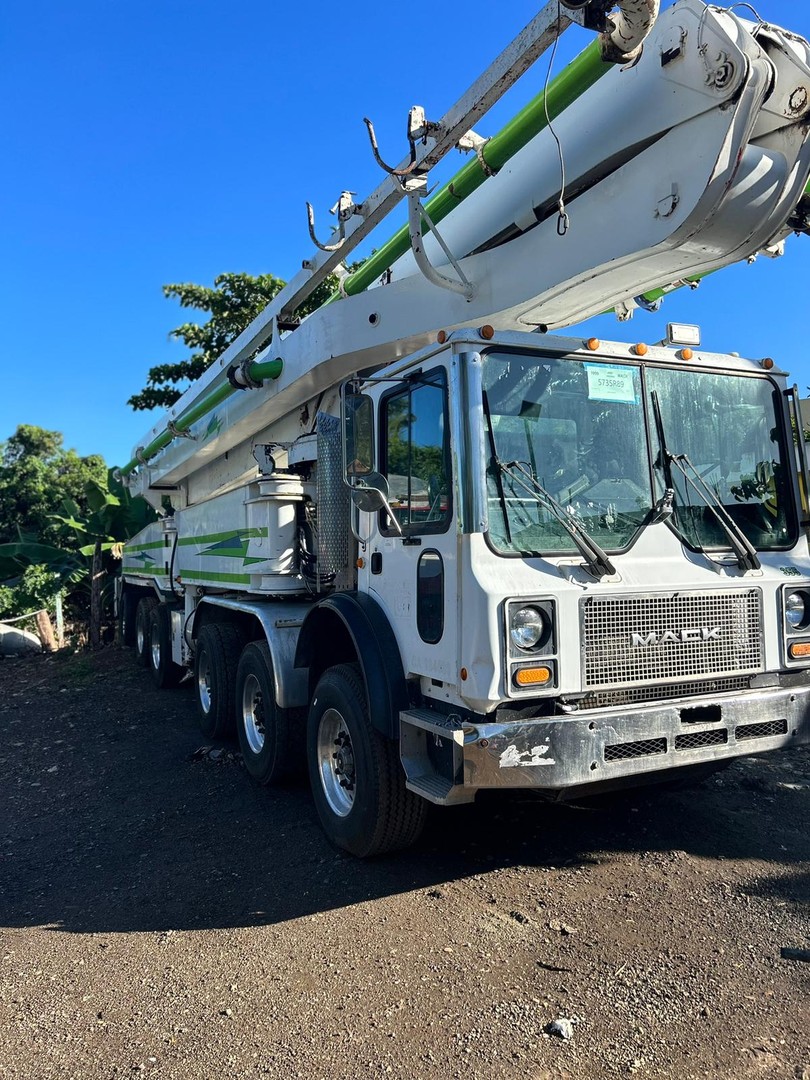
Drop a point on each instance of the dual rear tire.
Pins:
(355, 772)
(216, 656)
(165, 672)
(143, 615)
(235, 694)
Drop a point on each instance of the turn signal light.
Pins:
(800, 650)
(441, 337)
(593, 344)
(767, 363)
(532, 676)
(686, 354)
(487, 332)
(641, 349)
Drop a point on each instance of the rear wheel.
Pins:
(165, 672)
(143, 613)
(269, 737)
(358, 783)
(216, 657)
(127, 611)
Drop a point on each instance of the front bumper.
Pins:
(562, 752)
(599, 748)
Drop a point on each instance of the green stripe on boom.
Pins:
(570, 84)
(269, 369)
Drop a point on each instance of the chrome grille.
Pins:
(641, 748)
(695, 740)
(766, 730)
(628, 640)
(604, 699)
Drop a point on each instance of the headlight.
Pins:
(526, 627)
(795, 610)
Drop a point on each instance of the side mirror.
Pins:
(370, 493)
(358, 436)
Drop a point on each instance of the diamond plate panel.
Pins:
(333, 499)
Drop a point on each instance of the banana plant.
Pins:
(90, 542)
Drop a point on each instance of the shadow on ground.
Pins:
(110, 825)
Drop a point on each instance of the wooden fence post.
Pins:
(96, 577)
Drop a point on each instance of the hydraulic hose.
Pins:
(621, 42)
(627, 30)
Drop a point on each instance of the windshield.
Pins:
(728, 429)
(580, 430)
(577, 428)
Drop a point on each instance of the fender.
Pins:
(279, 622)
(368, 638)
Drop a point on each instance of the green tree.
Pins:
(233, 303)
(30, 590)
(36, 474)
(89, 536)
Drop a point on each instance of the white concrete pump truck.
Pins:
(420, 542)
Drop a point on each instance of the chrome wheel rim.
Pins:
(140, 636)
(204, 682)
(336, 762)
(253, 714)
(155, 653)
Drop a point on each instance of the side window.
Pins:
(416, 455)
(430, 597)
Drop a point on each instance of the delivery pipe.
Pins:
(626, 32)
(257, 373)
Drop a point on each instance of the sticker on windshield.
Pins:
(611, 383)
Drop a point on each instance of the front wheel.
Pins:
(358, 783)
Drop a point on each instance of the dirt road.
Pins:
(161, 916)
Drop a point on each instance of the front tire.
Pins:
(216, 657)
(268, 736)
(358, 783)
(165, 672)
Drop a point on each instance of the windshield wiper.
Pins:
(498, 472)
(596, 560)
(742, 547)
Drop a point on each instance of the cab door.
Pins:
(413, 576)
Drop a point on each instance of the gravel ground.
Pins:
(162, 916)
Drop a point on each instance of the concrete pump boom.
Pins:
(707, 128)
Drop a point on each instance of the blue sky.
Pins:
(171, 140)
